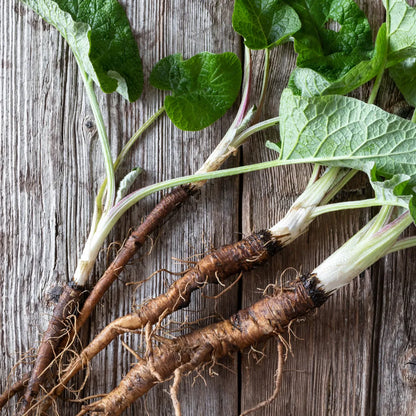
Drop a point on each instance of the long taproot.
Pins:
(66, 306)
(264, 319)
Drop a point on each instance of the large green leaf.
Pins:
(203, 87)
(264, 23)
(100, 37)
(404, 75)
(331, 53)
(343, 131)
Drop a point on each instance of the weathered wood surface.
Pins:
(350, 358)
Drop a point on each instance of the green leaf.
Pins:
(127, 182)
(402, 48)
(307, 82)
(264, 23)
(412, 207)
(396, 191)
(364, 71)
(331, 53)
(203, 87)
(392, 191)
(404, 75)
(273, 146)
(342, 131)
(100, 37)
(402, 33)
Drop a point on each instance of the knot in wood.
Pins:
(408, 367)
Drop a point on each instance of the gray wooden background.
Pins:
(347, 359)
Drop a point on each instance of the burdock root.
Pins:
(266, 318)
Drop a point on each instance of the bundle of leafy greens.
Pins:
(317, 123)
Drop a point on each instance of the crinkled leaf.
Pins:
(404, 75)
(127, 182)
(99, 34)
(342, 131)
(402, 42)
(203, 87)
(307, 82)
(364, 71)
(264, 23)
(346, 132)
(394, 191)
(329, 52)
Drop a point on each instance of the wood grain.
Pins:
(348, 359)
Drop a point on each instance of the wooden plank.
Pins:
(50, 163)
(352, 355)
(347, 358)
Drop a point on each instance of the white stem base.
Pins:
(293, 224)
(89, 255)
(299, 216)
(360, 252)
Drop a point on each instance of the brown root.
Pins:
(27, 358)
(213, 268)
(53, 337)
(149, 353)
(266, 318)
(139, 283)
(132, 352)
(118, 327)
(49, 347)
(66, 348)
(15, 388)
(215, 297)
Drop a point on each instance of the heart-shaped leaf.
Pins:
(203, 87)
(264, 23)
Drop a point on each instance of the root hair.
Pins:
(278, 381)
(174, 392)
